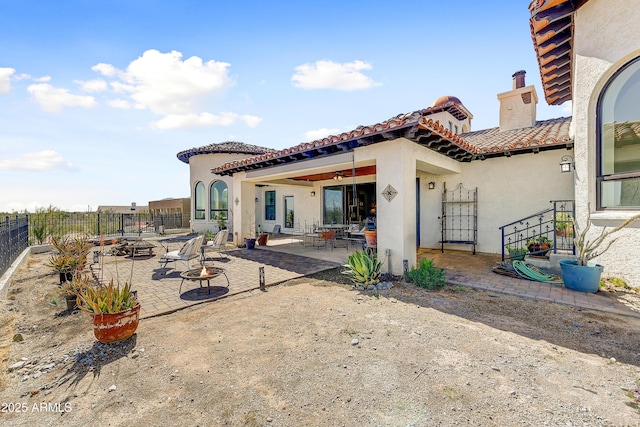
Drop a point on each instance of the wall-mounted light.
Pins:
(566, 162)
(312, 194)
(431, 185)
(338, 176)
(237, 201)
(257, 200)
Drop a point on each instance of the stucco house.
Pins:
(431, 181)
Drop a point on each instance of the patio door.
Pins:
(289, 217)
(342, 206)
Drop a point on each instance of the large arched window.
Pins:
(618, 153)
(199, 203)
(218, 197)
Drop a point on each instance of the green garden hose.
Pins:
(532, 272)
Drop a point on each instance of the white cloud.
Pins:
(333, 75)
(313, 135)
(39, 161)
(5, 79)
(107, 70)
(43, 79)
(21, 76)
(173, 88)
(119, 103)
(166, 85)
(91, 86)
(53, 99)
(251, 121)
(175, 121)
(568, 108)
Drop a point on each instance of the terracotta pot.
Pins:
(113, 327)
(262, 239)
(371, 237)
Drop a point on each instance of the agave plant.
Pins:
(107, 299)
(363, 267)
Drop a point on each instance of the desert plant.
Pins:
(106, 299)
(426, 275)
(363, 267)
(587, 249)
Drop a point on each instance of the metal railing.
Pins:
(13, 240)
(539, 233)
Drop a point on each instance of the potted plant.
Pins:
(564, 225)
(222, 222)
(371, 233)
(517, 253)
(540, 245)
(250, 241)
(582, 274)
(115, 310)
(262, 237)
(70, 256)
(72, 288)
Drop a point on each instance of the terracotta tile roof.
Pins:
(418, 127)
(393, 128)
(551, 27)
(233, 147)
(544, 135)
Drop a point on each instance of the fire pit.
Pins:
(201, 274)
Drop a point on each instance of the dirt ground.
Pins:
(314, 352)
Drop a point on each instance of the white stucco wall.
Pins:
(607, 36)
(200, 170)
(509, 188)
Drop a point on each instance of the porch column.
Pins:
(396, 218)
(243, 208)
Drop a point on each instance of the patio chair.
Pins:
(218, 244)
(190, 250)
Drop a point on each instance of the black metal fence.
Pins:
(17, 232)
(13, 240)
(44, 225)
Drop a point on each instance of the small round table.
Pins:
(201, 274)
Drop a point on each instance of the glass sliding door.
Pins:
(333, 205)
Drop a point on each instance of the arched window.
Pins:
(218, 197)
(199, 202)
(618, 150)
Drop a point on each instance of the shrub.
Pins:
(426, 275)
(363, 267)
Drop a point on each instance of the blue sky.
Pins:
(97, 97)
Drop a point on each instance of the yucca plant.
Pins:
(106, 299)
(363, 267)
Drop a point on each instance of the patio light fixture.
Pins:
(338, 176)
(431, 185)
(312, 194)
(566, 162)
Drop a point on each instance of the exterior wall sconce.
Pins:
(566, 163)
(257, 200)
(431, 185)
(312, 194)
(338, 176)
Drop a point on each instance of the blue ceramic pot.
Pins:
(581, 278)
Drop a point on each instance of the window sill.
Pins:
(613, 218)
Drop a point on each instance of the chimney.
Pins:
(518, 106)
(518, 79)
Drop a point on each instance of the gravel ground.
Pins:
(315, 352)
